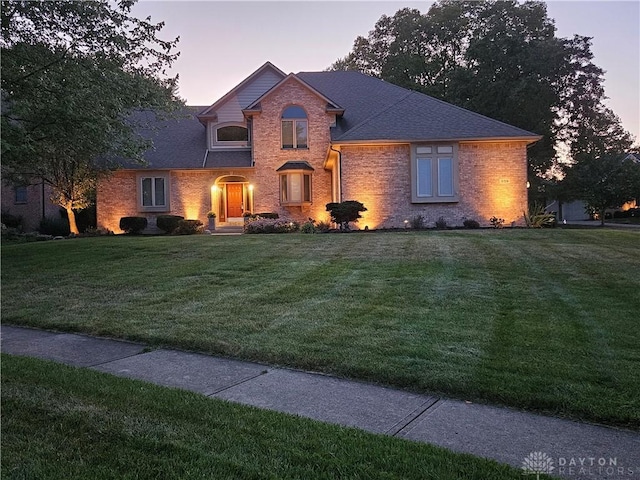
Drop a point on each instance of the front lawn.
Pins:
(60, 422)
(544, 320)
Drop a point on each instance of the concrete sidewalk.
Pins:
(578, 450)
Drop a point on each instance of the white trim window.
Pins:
(295, 188)
(434, 173)
(295, 128)
(229, 135)
(153, 192)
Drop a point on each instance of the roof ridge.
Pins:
(377, 114)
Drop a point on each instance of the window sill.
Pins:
(294, 148)
(296, 204)
(455, 199)
(162, 209)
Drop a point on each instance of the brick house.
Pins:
(31, 202)
(293, 143)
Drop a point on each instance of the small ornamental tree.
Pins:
(345, 212)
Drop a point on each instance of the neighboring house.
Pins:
(31, 202)
(577, 210)
(293, 143)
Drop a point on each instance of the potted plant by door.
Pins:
(212, 221)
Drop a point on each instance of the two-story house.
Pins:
(293, 143)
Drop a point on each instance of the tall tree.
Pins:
(72, 75)
(602, 182)
(501, 59)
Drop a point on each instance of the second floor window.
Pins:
(294, 127)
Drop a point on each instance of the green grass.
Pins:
(543, 320)
(67, 423)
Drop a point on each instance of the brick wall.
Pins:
(31, 211)
(492, 181)
(189, 195)
(269, 155)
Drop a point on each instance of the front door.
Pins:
(234, 200)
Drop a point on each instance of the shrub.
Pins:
(58, 227)
(536, 217)
(133, 225)
(308, 227)
(323, 227)
(496, 222)
(168, 223)
(11, 221)
(468, 223)
(345, 212)
(270, 225)
(189, 227)
(441, 223)
(417, 222)
(254, 216)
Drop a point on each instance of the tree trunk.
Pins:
(73, 227)
(602, 210)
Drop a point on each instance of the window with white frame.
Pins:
(295, 183)
(230, 135)
(434, 174)
(295, 188)
(295, 128)
(153, 192)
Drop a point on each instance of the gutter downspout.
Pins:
(339, 171)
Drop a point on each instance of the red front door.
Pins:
(234, 200)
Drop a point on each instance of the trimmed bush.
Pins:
(189, 227)
(441, 223)
(168, 223)
(417, 222)
(344, 213)
(133, 225)
(468, 223)
(11, 221)
(308, 227)
(58, 227)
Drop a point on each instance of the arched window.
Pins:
(294, 127)
(230, 135)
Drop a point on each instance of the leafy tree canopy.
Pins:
(607, 181)
(501, 59)
(72, 74)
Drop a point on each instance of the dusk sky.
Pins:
(221, 43)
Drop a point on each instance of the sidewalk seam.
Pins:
(115, 360)
(412, 417)
(222, 389)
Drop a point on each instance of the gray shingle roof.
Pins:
(299, 165)
(376, 110)
(177, 143)
(228, 158)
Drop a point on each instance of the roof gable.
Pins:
(248, 90)
(331, 105)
